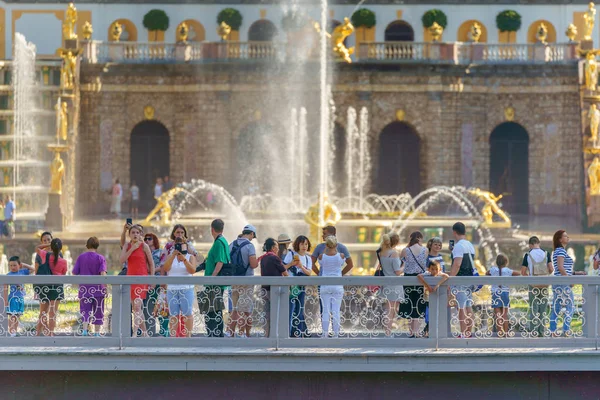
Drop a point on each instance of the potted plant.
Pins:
(364, 22)
(508, 21)
(434, 16)
(155, 21)
(231, 17)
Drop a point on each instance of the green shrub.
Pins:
(432, 16)
(231, 17)
(363, 17)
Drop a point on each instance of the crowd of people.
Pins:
(167, 310)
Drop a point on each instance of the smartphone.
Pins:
(129, 221)
(178, 247)
(451, 244)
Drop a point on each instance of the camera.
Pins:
(178, 247)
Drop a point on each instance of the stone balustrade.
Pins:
(394, 52)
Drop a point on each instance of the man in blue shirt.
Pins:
(320, 249)
(9, 217)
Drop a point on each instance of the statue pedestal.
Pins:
(54, 214)
(541, 52)
(183, 52)
(116, 51)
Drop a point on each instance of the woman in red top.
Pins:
(50, 295)
(139, 261)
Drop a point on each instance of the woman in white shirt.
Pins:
(180, 297)
(301, 249)
(331, 263)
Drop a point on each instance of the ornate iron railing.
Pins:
(271, 311)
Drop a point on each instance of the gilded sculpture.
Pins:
(542, 33)
(491, 208)
(70, 22)
(116, 30)
(509, 114)
(436, 31)
(589, 17)
(475, 32)
(63, 121)
(337, 37)
(594, 117)
(591, 71)
(183, 32)
(69, 67)
(57, 171)
(571, 32)
(87, 30)
(223, 30)
(594, 177)
(163, 206)
(331, 216)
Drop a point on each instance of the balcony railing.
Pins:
(394, 52)
(562, 313)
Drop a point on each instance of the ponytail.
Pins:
(56, 247)
(414, 238)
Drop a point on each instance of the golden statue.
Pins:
(162, 205)
(116, 29)
(542, 33)
(475, 32)
(182, 32)
(57, 171)
(223, 30)
(571, 32)
(69, 24)
(6, 173)
(149, 112)
(594, 176)
(591, 71)
(594, 117)
(337, 37)
(491, 207)
(589, 17)
(331, 216)
(63, 121)
(436, 31)
(87, 30)
(69, 67)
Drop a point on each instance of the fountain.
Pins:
(28, 161)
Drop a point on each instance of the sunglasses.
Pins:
(148, 239)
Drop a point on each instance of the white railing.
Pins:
(563, 313)
(135, 52)
(465, 53)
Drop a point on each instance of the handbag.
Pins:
(475, 288)
(43, 269)
(378, 272)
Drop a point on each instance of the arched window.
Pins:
(399, 31)
(129, 31)
(262, 30)
(463, 34)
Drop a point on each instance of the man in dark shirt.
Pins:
(270, 265)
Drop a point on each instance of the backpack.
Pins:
(43, 269)
(236, 258)
(539, 268)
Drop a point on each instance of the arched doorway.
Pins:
(509, 166)
(399, 31)
(149, 158)
(262, 30)
(399, 160)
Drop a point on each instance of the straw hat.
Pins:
(284, 239)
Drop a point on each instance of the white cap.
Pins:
(250, 228)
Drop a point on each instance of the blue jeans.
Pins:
(562, 297)
(297, 322)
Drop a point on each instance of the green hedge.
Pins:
(432, 16)
(508, 21)
(231, 17)
(363, 17)
(156, 20)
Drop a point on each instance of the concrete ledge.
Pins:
(299, 359)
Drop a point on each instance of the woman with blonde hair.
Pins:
(389, 262)
(331, 295)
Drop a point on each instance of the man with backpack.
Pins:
(243, 257)
(537, 262)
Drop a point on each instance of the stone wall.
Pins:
(451, 108)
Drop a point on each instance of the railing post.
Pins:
(590, 311)
(121, 313)
(280, 313)
(438, 315)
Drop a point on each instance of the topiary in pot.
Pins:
(432, 16)
(156, 20)
(231, 17)
(363, 18)
(508, 21)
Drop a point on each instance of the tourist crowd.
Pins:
(167, 309)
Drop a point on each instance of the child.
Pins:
(434, 269)
(500, 297)
(15, 294)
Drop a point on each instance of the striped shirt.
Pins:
(437, 258)
(567, 265)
